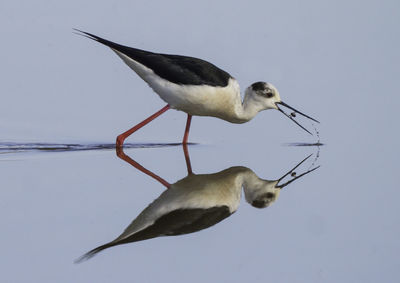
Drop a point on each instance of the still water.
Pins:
(88, 213)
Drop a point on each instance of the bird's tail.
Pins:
(93, 252)
(91, 36)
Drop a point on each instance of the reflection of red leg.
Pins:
(123, 136)
(186, 135)
(187, 158)
(123, 156)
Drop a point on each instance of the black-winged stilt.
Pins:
(196, 87)
(197, 201)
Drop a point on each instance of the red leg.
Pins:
(123, 136)
(123, 156)
(187, 158)
(186, 135)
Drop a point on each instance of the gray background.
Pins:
(335, 60)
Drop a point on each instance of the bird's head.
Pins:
(261, 193)
(267, 97)
(265, 94)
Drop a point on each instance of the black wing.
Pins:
(177, 222)
(174, 68)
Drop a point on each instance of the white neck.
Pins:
(248, 109)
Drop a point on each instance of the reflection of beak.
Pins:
(291, 118)
(301, 175)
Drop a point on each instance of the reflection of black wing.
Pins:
(177, 222)
(174, 68)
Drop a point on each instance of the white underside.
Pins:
(200, 100)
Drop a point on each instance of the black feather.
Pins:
(178, 69)
(177, 222)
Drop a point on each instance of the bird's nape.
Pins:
(296, 111)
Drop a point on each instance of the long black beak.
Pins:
(297, 111)
(297, 177)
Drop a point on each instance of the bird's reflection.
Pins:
(198, 201)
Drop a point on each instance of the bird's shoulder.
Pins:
(190, 70)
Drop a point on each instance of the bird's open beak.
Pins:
(297, 177)
(291, 118)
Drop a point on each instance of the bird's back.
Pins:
(182, 70)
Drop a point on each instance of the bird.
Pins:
(196, 87)
(198, 201)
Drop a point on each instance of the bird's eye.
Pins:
(270, 94)
(269, 195)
